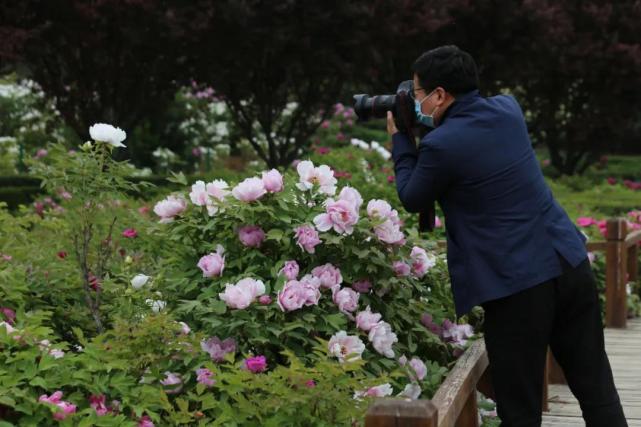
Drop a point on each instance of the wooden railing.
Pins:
(454, 404)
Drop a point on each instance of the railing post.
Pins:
(401, 412)
(633, 263)
(616, 265)
(469, 416)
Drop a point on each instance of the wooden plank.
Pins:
(401, 412)
(596, 246)
(453, 394)
(616, 309)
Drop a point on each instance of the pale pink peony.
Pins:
(218, 349)
(256, 364)
(290, 270)
(351, 195)
(389, 233)
(307, 238)
(265, 300)
(173, 382)
(366, 320)
(298, 293)
(379, 209)
(97, 402)
(328, 274)
(204, 377)
(455, 333)
(243, 293)
(346, 299)
(421, 261)
(198, 194)
(382, 338)
(170, 207)
(218, 189)
(339, 215)
(346, 348)
(251, 236)
(401, 268)
(273, 181)
(184, 328)
(419, 368)
(251, 189)
(437, 222)
(377, 391)
(322, 176)
(213, 264)
(130, 233)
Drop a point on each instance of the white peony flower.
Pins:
(139, 281)
(106, 133)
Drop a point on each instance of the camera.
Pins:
(401, 105)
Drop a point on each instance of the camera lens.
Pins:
(367, 107)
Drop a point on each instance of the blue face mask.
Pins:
(424, 119)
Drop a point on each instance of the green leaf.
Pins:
(275, 234)
(178, 178)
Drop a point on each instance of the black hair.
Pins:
(448, 67)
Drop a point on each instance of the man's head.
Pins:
(440, 75)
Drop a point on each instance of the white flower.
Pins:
(376, 391)
(56, 353)
(139, 281)
(342, 345)
(156, 305)
(382, 338)
(411, 391)
(321, 175)
(106, 133)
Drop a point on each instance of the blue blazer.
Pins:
(505, 231)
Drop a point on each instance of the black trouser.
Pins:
(564, 314)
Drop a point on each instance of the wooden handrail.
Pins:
(456, 397)
(633, 238)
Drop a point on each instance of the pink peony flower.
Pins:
(41, 153)
(170, 207)
(65, 408)
(346, 348)
(401, 268)
(351, 195)
(250, 190)
(217, 349)
(437, 222)
(346, 299)
(339, 215)
(97, 402)
(8, 314)
(296, 294)
(251, 236)
(366, 320)
(213, 264)
(243, 293)
(310, 383)
(273, 181)
(389, 233)
(204, 377)
(218, 189)
(328, 274)
(421, 261)
(290, 270)
(426, 320)
(173, 381)
(379, 209)
(322, 176)
(363, 286)
(456, 334)
(325, 124)
(130, 233)
(612, 180)
(419, 368)
(256, 364)
(184, 328)
(198, 195)
(585, 221)
(382, 338)
(307, 238)
(391, 178)
(145, 421)
(265, 300)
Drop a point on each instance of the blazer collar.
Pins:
(460, 101)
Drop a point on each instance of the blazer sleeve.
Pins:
(421, 175)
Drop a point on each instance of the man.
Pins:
(510, 247)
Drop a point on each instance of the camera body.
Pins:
(401, 105)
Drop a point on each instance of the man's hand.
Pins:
(391, 126)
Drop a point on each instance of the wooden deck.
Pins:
(624, 351)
